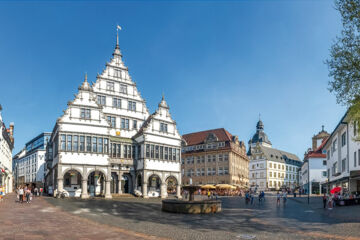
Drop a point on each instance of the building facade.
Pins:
(30, 162)
(343, 156)
(107, 142)
(270, 168)
(313, 170)
(214, 157)
(6, 147)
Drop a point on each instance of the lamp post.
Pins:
(308, 181)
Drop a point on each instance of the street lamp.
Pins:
(308, 181)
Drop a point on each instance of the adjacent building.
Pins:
(214, 157)
(270, 168)
(30, 162)
(107, 142)
(343, 156)
(6, 147)
(313, 170)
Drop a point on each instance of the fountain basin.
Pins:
(191, 207)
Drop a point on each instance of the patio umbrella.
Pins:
(335, 190)
(224, 186)
(208, 186)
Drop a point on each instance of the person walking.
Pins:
(21, 195)
(27, 194)
(208, 194)
(251, 198)
(278, 198)
(247, 198)
(284, 197)
(324, 200)
(36, 192)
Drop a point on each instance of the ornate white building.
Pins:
(270, 168)
(6, 147)
(106, 141)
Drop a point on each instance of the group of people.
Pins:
(282, 195)
(25, 194)
(249, 197)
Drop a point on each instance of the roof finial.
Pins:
(259, 116)
(117, 35)
(322, 126)
(163, 96)
(85, 76)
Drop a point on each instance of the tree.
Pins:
(344, 61)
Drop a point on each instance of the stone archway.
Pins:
(154, 186)
(96, 183)
(171, 184)
(72, 183)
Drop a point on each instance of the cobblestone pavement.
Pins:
(295, 220)
(40, 220)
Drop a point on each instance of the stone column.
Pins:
(178, 191)
(144, 190)
(60, 185)
(84, 190)
(107, 190)
(163, 191)
(119, 183)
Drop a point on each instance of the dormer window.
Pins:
(117, 73)
(85, 113)
(163, 127)
(110, 86)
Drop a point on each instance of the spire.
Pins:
(163, 102)
(117, 48)
(85, 85)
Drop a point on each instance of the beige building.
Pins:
(213, 157)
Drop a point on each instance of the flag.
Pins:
(118, 27)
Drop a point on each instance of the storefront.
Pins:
(354, 181)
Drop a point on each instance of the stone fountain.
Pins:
(191, 206)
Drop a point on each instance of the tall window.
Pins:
(82, 143)
(88, 144)
(343, 165)
(152, 151)
(343, 139)
(112, 121)
(110, 86)
(226, 157)
(100, 145)
(166, 153)
(94, 139)
(76, 143)
(131, 106)
(63, 142)
(161, 152)
(101, 100)
(134, 124)
(117, 73)
(163, 127)
(106, 145)
(123, 88)
(117, 102)
(147, 150)
(69, 143)
(157, 152)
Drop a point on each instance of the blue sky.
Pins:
(219, 64)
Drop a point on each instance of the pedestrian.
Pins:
(36, 192)
(17, 195)
(251, 198)
(27, 193)
(208, 194)
(324, 200)
(284, 197)
(278, 198)
(294, 194)
(247, 197)
(21, 194)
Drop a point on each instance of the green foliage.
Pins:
(344, 61)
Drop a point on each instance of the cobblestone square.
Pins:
(134, 218)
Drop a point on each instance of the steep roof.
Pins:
(200, 137)
(277, 155)
(318, 153)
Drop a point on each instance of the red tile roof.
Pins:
(318, 153)
(199, 137)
